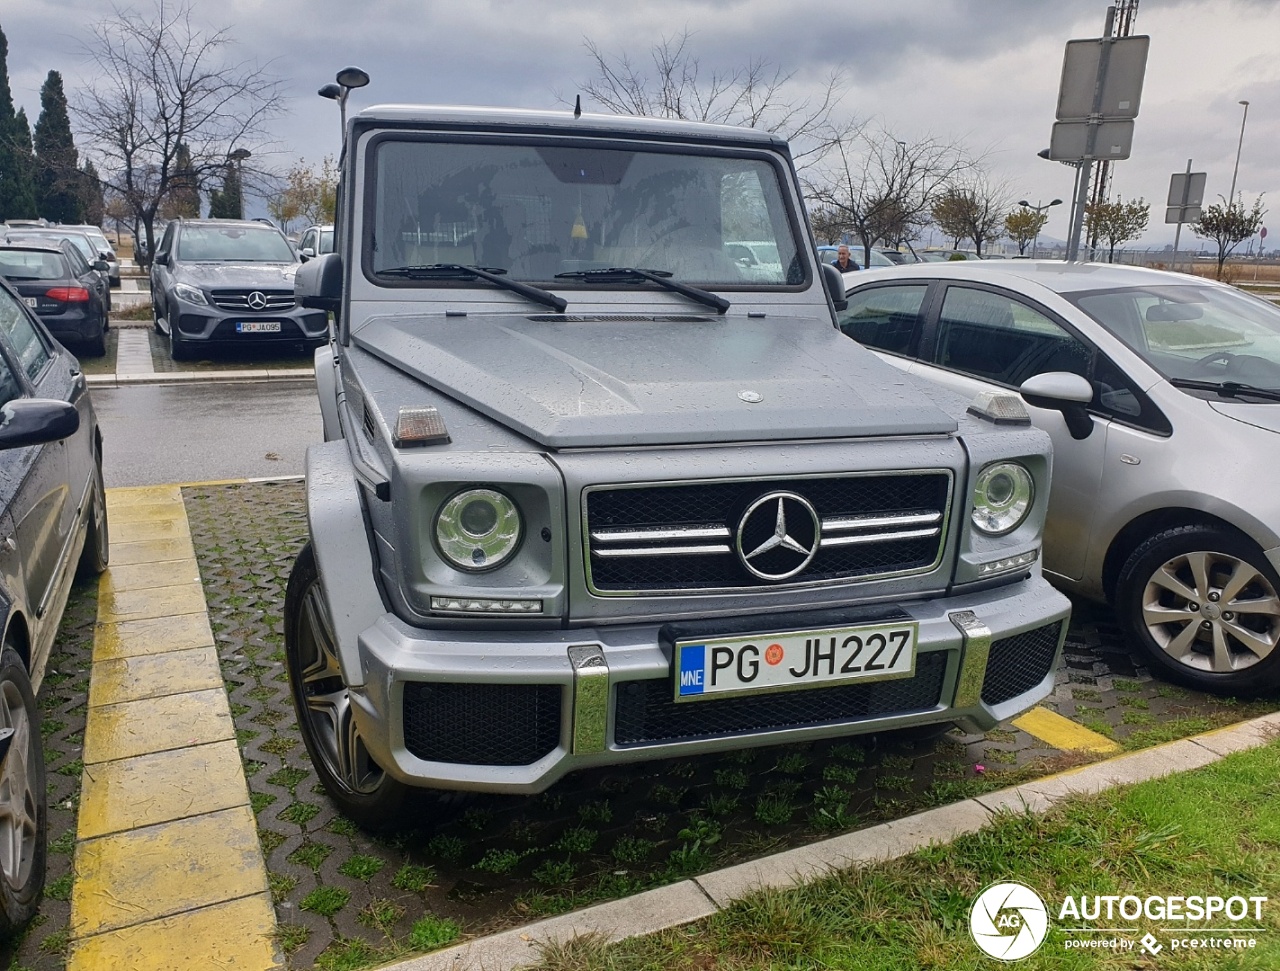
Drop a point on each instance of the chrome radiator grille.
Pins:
(253, 301)
(726, 535)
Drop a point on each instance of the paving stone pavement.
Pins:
(342, 895)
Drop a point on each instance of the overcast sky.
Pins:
(982, 71)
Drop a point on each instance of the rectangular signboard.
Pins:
(1192, 185)
(1179, 214)
(1122, 88)
(1070, 140)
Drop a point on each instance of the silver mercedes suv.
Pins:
(592, 494)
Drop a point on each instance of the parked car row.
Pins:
(52, 278)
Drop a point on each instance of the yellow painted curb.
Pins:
(1063, 733)
(168, 868)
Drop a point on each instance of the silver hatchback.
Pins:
(1163, 498)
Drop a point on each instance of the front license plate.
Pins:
(796, 659)
(31, 302)
(258, 327)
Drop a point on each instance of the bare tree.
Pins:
(1228, 225)
(882, 187)
(162, 84)
(973, 209)
(756, 95)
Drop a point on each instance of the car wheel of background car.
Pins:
(97, 543)
(1202, 604)
(96, 346)
(179, 349)
(363, 792)
(23, 814)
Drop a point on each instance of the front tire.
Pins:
(363, 792)
(1203, 605)
(179, 349)
(24, 818)
(97, 542)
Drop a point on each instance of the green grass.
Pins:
(413, 878)
(431, 932)
(1211, 831)
(325, 901)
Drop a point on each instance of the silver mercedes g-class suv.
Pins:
(592, 491)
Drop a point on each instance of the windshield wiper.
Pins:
(460, 271)
(619, 274)
(1227, 389)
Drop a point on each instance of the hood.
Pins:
(600, 381)
(271, 275)
(1262, 415)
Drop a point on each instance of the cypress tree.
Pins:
(57, 162)
(8, 163)
(183, 199)
(228, 203)
(91, 195)
(23, 198)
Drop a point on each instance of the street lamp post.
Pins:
(1038, 209)
(237, 159)
(347, 79)
(1075, 191)
(1231, 199)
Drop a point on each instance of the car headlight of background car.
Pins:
(478, 529)
(189, 293)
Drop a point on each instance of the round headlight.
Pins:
(478, 529)
(1002, 497)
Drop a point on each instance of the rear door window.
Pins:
(32, 352)
(884, 318)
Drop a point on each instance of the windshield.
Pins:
(535, 211)
(16, 264)
(1193, 332)
(233, 244)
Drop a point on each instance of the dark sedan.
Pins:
(68, 294)
(53, 519)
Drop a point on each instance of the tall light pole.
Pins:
(1231, 199)
(1038, 210)
(348, 79)
(237, 158)
(1075, 189)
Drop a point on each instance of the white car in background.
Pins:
(1163, 498)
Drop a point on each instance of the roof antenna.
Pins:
(577, 106)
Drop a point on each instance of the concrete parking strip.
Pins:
(675, 905)
(169, 871)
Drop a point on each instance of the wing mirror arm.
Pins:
(1064, 392)
(834, 282)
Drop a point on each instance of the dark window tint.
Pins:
(23, 337)
(997, 338)
(16, 264)
(884, 317)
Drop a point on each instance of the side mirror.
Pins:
(318, 284)
(102, 266)
(162, 259)
(834, 281)
(307, 252)
(1065, 392)
(36, 421)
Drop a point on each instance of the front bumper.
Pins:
(208, 324)
(515, 711)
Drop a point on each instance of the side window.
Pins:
(166, 241)
(25, 340)
(79, 265)
(884, 318)
(997, 338)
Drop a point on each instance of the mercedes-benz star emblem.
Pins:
(257, 300)
(778, 535)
